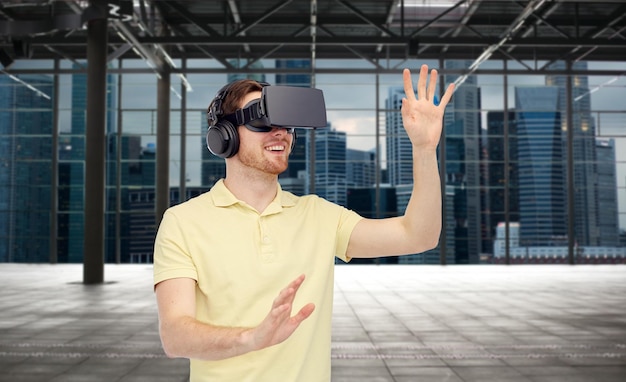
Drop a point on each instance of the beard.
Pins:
(273, 165)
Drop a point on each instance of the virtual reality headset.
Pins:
(282, 106)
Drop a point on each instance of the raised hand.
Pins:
(278, 325)
(422, 119)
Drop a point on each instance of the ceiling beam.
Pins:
(468, 42)
(266, 14)
(510, 32)
(432, 21)
(196, 21)
(365, 18)
(469, 12)
(617, 16)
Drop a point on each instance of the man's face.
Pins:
(267, 152)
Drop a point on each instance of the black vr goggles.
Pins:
(282, 106)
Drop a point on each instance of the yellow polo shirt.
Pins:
(242, 259)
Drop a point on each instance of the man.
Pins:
(244, 272)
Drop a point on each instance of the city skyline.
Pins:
(457, 177)
(604, 95)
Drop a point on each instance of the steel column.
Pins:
(183, 139)
(54, 173)
(507, 164)
(163, 144)
(95, 143)
(571, 232)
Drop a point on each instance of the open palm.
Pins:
(423, 119)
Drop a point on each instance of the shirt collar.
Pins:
(222, 197)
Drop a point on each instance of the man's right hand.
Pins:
(278, 325)
(183, 335)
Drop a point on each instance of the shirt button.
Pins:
(266, 239)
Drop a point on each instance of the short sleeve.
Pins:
(348, 219)
(171, 253)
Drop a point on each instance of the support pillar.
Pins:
(163, 145)
(54, 172)
(571, 219)
(95, 153)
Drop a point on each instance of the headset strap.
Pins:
(245, 115)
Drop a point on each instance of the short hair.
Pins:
(234, 93)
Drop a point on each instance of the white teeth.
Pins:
(275, 148)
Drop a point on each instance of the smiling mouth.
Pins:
(275, 148)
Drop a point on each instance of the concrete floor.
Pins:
(544, 323)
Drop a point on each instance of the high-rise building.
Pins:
(496, 172)
(363, 200)
(330, 165)
(463, 154)
(586, 213)
(26, 122)
(360, 168)
(608, 216)
(541, 169)
(137, 177)
(399, 148)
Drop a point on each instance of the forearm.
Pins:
(186, 337)
(422, 217)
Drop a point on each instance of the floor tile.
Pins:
(390, 324)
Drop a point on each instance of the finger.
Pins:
(288, 294)
(282, 298)
(421, 83)
(281, 310)
(432, 85)
(408, 84)
(304, 313)
(447, 95)
(297, 282)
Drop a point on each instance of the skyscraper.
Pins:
(463, 154)
(399, 149)
(360, 168)
(137, 179)
(497, 170)
(608, 220)
(26, 122)
(330, 165)
(541, 169)
(586, 213)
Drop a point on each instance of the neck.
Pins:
(258, 190)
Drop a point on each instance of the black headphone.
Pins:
(222, 138)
